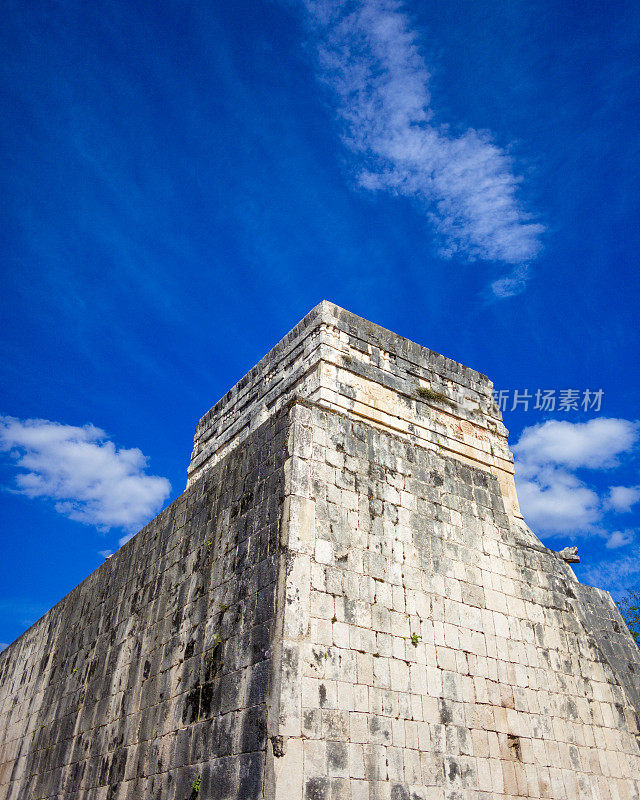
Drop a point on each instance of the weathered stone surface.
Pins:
(155, 670)
(450, 653)
(347, 364)
(345, 604)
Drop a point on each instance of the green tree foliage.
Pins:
(629, 606)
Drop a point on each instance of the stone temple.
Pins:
(344, 604)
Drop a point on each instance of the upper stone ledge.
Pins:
(360, 329)
(346, 363)
(311, 320)
(400, 346)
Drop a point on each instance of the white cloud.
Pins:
(620, 539)
(3, 646)
(368, 57)
(88, 478)
(623, 498)
(513, 284)
(595, 444)
(553, 499)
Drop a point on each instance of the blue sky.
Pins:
(182, 182)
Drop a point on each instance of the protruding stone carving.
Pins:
(570, 555)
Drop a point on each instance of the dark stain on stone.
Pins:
(436, 478)
(575, 757)
(117, 768)
(246, 502)
(278, 744)
(445, 712)
(105, 765)
(253, 731)
(207, 694)
(43, 664)
(212, 664)
(337, 756)
(322, 693)
(316, 789)
(191, 706)
(513, 742)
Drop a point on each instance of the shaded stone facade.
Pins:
(155, 670)
(345, 604)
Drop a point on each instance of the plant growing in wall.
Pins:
(430, 396)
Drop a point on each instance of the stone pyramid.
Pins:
(344, 604)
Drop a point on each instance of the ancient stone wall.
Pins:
(345, 604)
(441, 651)
(154, 672)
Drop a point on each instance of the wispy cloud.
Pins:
(617, 575)
(554, 500)
(512, 284)
(368, 56)
(620, 539)
(87, 477)
(623, 498)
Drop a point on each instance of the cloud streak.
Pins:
(86, 476)
(617, 575)
(368, 57)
